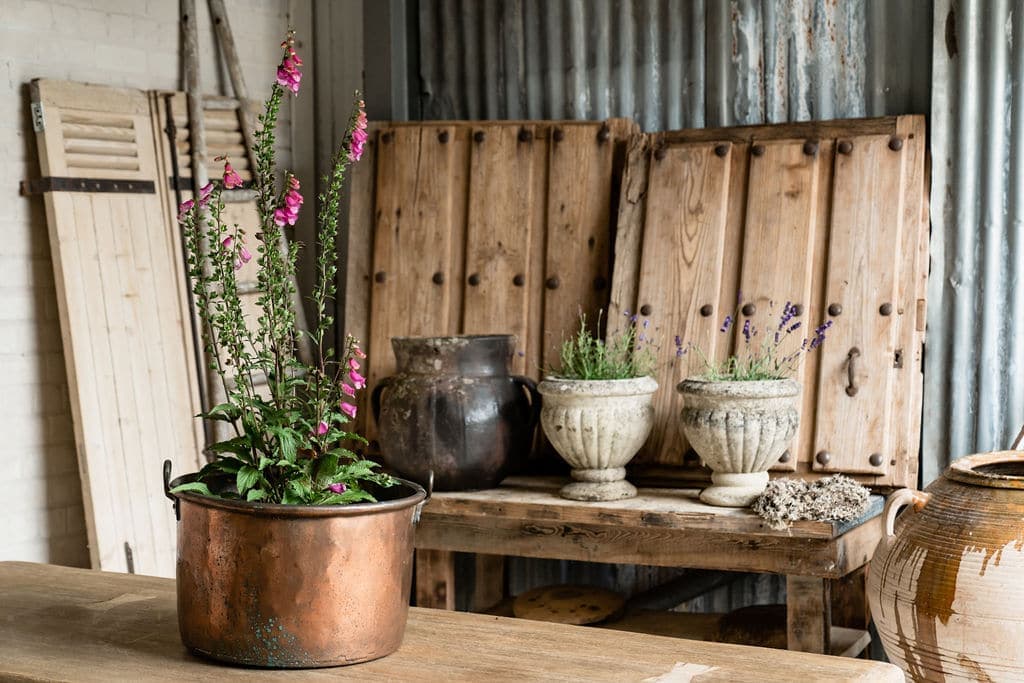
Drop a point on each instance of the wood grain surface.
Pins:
(62, 624)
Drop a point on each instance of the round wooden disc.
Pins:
(568, 604)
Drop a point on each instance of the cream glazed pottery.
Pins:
(597, 426)
(946, 585)
(739, 429)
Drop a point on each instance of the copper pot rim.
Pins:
(981, 469)
(418, 495)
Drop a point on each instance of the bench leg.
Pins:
(435, 579)
(489, 586)
(808, 614)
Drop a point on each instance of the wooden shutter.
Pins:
(816, 213)
(472, 228)
(126, 337)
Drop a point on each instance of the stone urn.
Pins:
(739, 429)
(597, 426)
(946, 584)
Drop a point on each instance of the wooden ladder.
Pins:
(198, 125)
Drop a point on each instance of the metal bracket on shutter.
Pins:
(58, 184)
(38, 124)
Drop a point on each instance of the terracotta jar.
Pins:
(947, 586)
(455, 409)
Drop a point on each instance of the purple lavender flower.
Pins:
(819, 335)
(794, 327)
(727, 323)
(788, 311)
(746, 330)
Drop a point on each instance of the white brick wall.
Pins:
(130, 43)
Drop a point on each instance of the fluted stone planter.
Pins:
(739, 430)
(597, 426)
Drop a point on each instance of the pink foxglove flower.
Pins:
(358, 381)
(359, 134)
(358, 352)
(243, 254)
(353, 364)
(288, 74)
(348, 409)
(184, 208)
(337, 488)
(228, 241)
(348, 389)
(204, 192)
(321, 428)
(231, 177)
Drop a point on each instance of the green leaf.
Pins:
(327, 468)
(352, 495)
(193, 486)
(240, 445)
(226, 464)
(265, 462)
(299, 490)
(255, 494)
(225, 412)
(286, 442)
(246, 479)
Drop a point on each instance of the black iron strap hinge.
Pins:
(58, 184)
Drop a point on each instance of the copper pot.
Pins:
(290, 586)
(946, 585)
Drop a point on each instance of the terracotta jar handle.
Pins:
(897, 501)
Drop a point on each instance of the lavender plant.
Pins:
(623, 355)
(765, 354)
(290, 443)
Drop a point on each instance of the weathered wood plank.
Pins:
(863, 271)
(578, 233)
(498, 234)
(777, 253)
(681, 277)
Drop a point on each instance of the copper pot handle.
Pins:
(167, 490)
(897, 501)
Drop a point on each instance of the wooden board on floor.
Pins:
(124, 322)
(61, 623)
(814, 212)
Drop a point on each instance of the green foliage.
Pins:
(290, 441)
(623, 355)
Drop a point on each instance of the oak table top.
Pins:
(58, 623)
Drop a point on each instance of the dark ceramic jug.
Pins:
(454, 408)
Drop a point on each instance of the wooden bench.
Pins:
(58, 623)
(661, 527)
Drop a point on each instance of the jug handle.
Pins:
(531, 388)
(897, 501)
(375, 396)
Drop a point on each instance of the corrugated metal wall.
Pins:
(672, 63)
(669, 65)
(974, 363)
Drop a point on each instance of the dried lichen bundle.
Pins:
(833, 499)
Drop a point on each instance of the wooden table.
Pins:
(661, 527)
(60, 624)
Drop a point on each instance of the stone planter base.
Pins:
(734, 490)
(597, 485)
